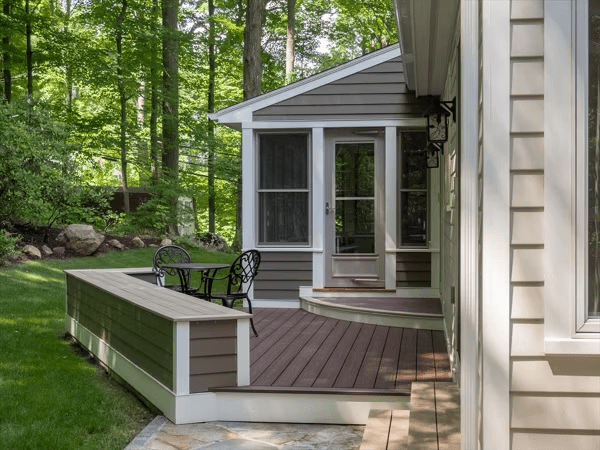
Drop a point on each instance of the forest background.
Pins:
(97, 94)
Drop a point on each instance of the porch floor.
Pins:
(300, 352)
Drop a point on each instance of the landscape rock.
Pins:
(46, 250)
(61, 239)
(59, 251)
(32, 252)
(116, 244)
(137, 242)
(166, 241)
(82, 239)
(213, 242)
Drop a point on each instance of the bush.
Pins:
(7, 244)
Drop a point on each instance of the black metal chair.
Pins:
(239, 279)
(169, 254)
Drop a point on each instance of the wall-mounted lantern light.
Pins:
(437, 119)
(433, 158)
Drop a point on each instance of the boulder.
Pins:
(116, 244)
(82, 239)
(46, 250)
(59, 251)
(32, 252)
(137, 242)
(61, 239)
(166, 241)
(213, 242)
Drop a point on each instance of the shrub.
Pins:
(7, 244)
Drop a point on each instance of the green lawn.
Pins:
(51, 396)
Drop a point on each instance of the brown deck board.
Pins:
(386, 376)
(335, 362)
(349, 371)
(301, 360)
(425, 357)
(310, 373)
(300, 352)
(275, 350)
(367, 374)
(407, 364)
(268, 377)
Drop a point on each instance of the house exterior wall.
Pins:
(413, 270)
(281, 274)
(555, 400)
(379, 92)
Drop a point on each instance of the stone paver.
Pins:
(161, 434)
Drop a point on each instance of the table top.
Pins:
(196, 266)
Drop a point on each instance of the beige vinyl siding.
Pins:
(281, 274)
(212, 354)
(379, 92)
(450, 210)
(555, 401)
(144, 338)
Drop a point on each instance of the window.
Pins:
(283, 189)
(571, 82)
(413, 189)
(589, 315)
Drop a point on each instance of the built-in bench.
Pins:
(168, 346)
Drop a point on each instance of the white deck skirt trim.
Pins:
(496, 289)
(231, 406)
(276, 303)
(242, 112)
(469, 264)
(373, 316)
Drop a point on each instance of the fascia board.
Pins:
(242, 112)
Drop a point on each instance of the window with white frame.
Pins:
(283, 189)
(588, 54)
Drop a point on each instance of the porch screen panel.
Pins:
(593, 307)
(283, 191)
(413, 189)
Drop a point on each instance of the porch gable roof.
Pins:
(239, 113)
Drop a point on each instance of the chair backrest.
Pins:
(244, 269)
(169, 254)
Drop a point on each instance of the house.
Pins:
(338, 197)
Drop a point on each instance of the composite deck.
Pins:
(297, 351)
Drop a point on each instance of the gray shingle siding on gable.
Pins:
(379, 92)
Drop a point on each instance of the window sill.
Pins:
(584, 345)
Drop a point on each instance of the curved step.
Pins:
(386, 317)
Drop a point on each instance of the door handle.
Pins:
(328, 209)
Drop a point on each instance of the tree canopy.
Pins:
(108, 93)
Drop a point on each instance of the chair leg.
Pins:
(251, 321)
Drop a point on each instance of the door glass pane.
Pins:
(283, 217)
(355, 198)
(354, 170)
(414, 218)
(594, 161)
(354, 226)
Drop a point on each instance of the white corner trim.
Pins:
(249, 169)
(391, 199)
(495, 263)
(181, 358)
(469, 251)
(243, 352)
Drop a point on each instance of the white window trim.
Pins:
(308, 190)
(564, 236)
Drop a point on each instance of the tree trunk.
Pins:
(68, 70)
(255, 12)
(123, 101)
(170, 117)
(6, 55)
(154, 111)
(29, 52)
(289, 45)
(211, 109)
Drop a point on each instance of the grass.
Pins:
(51, 396)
